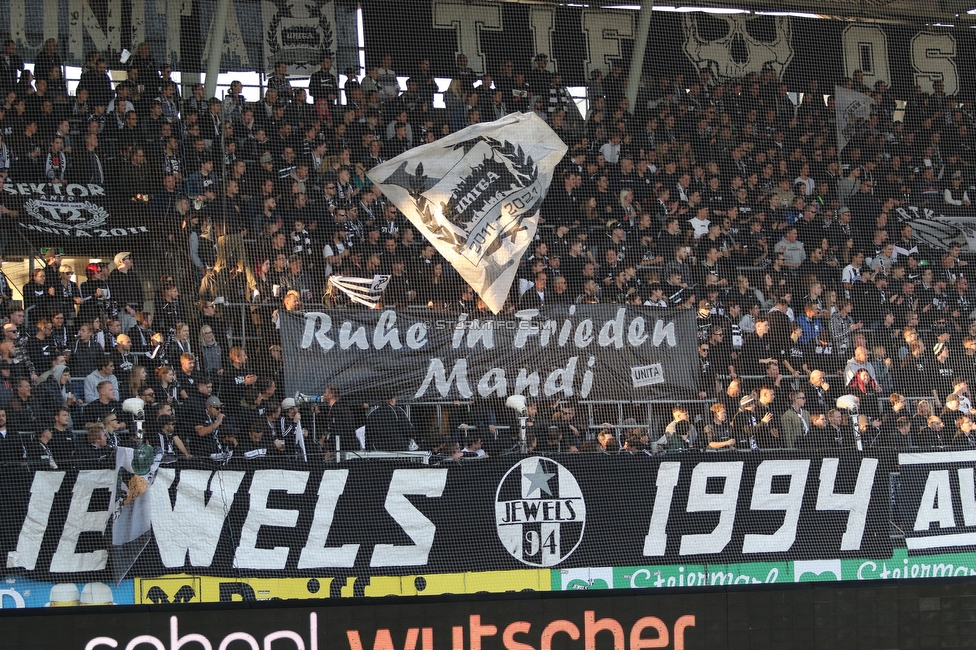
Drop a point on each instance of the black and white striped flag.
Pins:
(365, 291)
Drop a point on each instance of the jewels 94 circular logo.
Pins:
(540, 513)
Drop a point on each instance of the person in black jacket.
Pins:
(387, 427)
(11, 66)
(21, 412)
(126, 290)
(40, 456)
(11, 446)
(339, 422)
(98, 83)
(323, 84)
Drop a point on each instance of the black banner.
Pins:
(496, 514)
(935, 503)
(583, 352)
(81, 218)
(579, 40)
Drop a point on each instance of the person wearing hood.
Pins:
(86, 353)
(52, 394)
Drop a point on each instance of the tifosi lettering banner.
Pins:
(584, 352)
(475, 196)
(506, 513)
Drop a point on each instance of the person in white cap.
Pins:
(292, 434)
(126, 288)
(215, 441)
(745, 423)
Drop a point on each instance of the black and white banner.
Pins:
(81, 217)
(937, 500)
(365, 291)
(579, 38)
(583, 352)
(853, 110)
(496, 514)
(298, 33)
(475, 196)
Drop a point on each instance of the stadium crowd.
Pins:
(729, 198)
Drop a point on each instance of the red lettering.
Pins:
(457, 638)
(411, 641)
(554, 628)
(688, 620)
(591, 627)
(639, 643)
(479, 631)
(508, 637)
(384, 640)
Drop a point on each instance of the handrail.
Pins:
(415, 456)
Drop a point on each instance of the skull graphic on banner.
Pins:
(731, 46)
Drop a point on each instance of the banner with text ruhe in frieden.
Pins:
(582, 352)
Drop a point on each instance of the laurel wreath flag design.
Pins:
(853, 111)
(475, 195)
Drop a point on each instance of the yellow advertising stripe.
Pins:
(184, 588)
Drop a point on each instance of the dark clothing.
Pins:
(387, 429)
(95, 411)
(41, 353)
(40, 456)
(744, 426)
(11, 447)
(126, 289)
(339, 423)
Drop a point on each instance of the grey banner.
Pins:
(579, 352)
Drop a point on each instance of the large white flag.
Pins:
(853, 110)
(475, 195)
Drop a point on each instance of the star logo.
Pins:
(540, 513)
(538, 480)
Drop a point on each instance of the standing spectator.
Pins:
(795, 422)
(11, 66)
(126, 288)
(323, 84)
(280, 84)
(745, 423)
(387, 427)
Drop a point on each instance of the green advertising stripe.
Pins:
(899, 566)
